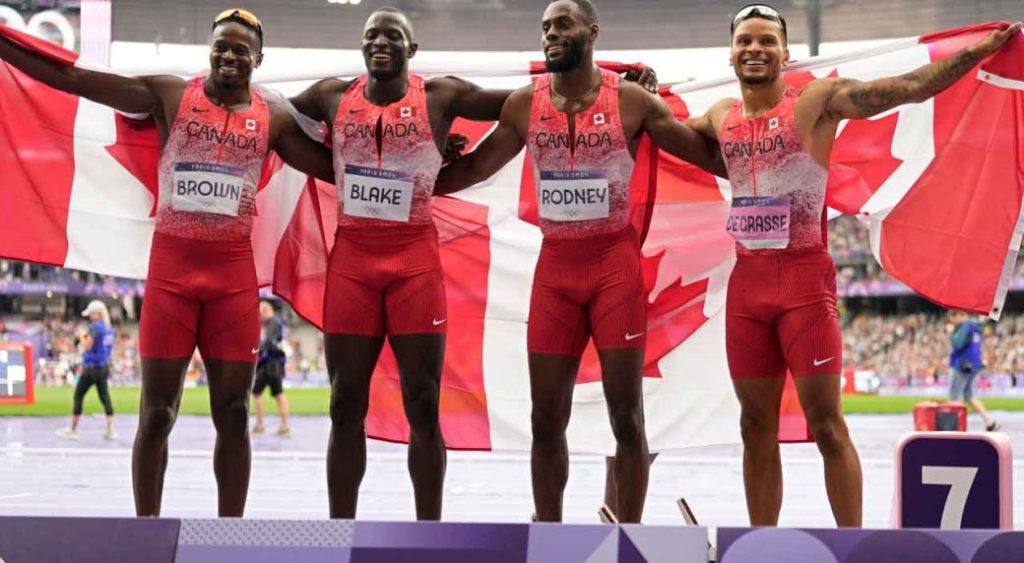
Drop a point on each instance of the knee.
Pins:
(232, 416)
(627, 425)
(549, 422)
(421, 407)
(348, 408)
(759, 430)
(156, 421)
(830, 433)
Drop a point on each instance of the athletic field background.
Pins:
(56, 401)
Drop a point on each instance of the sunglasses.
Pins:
(244, 17)
(758, 11)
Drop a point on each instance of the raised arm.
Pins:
(853, 99)
(680, 139)
(497, 150)
(127, 94)
(298, 150)
(310, 101)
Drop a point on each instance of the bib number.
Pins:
(377, 194)
(760, 222)
(573, 196)
(207, 188)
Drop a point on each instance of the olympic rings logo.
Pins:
(37, 25)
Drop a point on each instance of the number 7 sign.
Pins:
(953, 481)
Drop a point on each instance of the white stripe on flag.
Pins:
(1000, 81)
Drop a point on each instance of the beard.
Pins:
(572, 57)
(756, 80)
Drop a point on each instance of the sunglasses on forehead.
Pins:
(758, 11)
(244, 17)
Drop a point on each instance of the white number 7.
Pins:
(959, 480)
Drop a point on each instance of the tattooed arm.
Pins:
(853, 99)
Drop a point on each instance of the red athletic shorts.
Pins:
(385, 282)
(200, 293)
(588, 287)
(781, 313)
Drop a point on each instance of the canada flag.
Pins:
(940, 183)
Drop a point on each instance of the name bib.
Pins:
(760, 222)
(377, 194)
(207, 188)
(573, 196)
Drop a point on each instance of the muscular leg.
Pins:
(622, 378)
(611, 491)
(162, 382)
(820, 399)
(230, 386)
(760, 399)
(420, 360)
(551, 386)
(350, 363)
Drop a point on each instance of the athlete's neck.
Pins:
(761, 98)
(384, 91)
(230, 97)
(578, 82)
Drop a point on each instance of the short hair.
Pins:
(586, 7)
(397, 12)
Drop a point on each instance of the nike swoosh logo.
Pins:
(355, 111)
(633, 336)
(731, 128)
(197, 110)
(822, 362)
(256, 350)
(546, 117)
(439, 322)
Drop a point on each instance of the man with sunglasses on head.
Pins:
(389, 130)
(781, 304)
(582, 127)
(201, 290)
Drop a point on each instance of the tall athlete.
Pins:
(781, 304)
(389, 130)
(582, 126)
(215, 133)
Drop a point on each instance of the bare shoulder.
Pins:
(165, 84)
(332, 86)
(520, 100)
(447, 83)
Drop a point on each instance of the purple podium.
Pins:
(87, 540)
(954, 481)
(266, 541)
(780, 545)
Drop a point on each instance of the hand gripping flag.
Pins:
(79, 188)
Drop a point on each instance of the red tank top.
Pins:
(210, 168)
(392, 185)
(778, 189)
(582, 183)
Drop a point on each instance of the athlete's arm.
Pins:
(472, 102)
(310, 101)
(852, 99)
(707, 125)
(677, 138)
(497, 150)
(297, 149)
(127, 94)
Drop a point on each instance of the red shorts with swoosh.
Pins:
(585, 287)
(385, 281)
(781, 313)
(200, 293)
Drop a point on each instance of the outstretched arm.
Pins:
(127, 94)
(497, 150)
(309, 101)
(298, 150)
(680, 139)
(852, 99)
(473, 102)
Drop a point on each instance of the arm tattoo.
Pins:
(916, 86)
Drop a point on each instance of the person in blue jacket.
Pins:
(966, 362)
(96, 345)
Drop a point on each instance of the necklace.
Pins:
(575, 98)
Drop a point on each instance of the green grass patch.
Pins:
(56, 401)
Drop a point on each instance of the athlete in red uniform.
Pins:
(781, 304)
(201, 289)
(582, 127)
